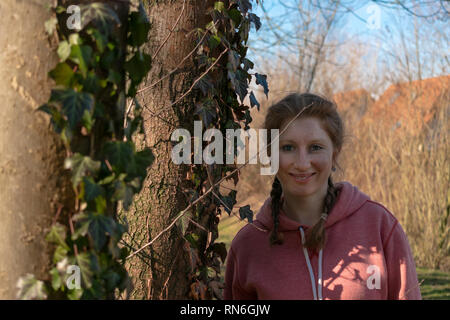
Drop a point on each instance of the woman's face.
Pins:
(306, 158)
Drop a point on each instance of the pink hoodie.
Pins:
(366, 256)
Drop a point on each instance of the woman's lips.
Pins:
(302, 178)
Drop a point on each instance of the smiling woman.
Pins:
(353, 246)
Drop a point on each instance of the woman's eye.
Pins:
(287, 147)
(316, 147)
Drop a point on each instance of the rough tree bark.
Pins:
(160, 272)
(33, 185)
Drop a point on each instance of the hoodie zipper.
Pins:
(316, 293)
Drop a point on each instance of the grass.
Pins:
(435, 284)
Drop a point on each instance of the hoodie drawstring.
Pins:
(311, 273)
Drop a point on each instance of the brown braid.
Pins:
(275, 194)
(316, 236)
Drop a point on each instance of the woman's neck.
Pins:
(307, 210)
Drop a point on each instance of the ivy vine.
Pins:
(220, 105)
(100, 67)
(87, 109)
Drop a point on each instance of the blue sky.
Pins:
(370, 23)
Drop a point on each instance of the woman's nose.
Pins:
(302, 160)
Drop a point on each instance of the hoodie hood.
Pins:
(349, 200)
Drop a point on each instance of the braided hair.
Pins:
(316, 236)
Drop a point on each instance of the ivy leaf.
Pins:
(79, 165)
(101, 15)
(57, 235)
(100, 226)
(99, 38)
(235, 16)
(247, 64)
(88, 265)
(91, 189)
(82, 56)
(205, 84)
(239, 83)
(137, 68)
(219, 6)
(183, 222)
(56, 119)
(62, 74)
(253, 101)
(255, 20)
(31, 289)
(244, 5)
(60, 253)
(142, 160)
(261, 79)
(206, 111)
(119, 154)
(248, 119)
(229, 201)
(246, 213)
(56, 279)
(73, 104)
(213, 42)
(233, 59)
(63, 50)
(139, 27)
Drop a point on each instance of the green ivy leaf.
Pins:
(60, 253)
(137, 68)
(253, 101)
(57, 235)
(255, 20)
(119, 154)
(91, 189)
(239, 83)
(207, 111)
(101, 15)
(57, 283)
(100, 226)
(261, 79)
(142, 160)
(82, 56)
(31, 289)
(183, 222)
(139, 27)
(246, 213)
(79, 165)
(219, 6)
(235, 16)
(62, 74)
(247, 64)
(73, 104)
(205, 84)
(213, 42)
(63, 50)
(244, 5)
(229, 201)
(88, 265)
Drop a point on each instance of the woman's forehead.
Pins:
(304, 128)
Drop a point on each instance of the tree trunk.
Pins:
(160, 272)
(33, 185)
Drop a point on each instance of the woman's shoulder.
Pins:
(380, 211)
(249, 234)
